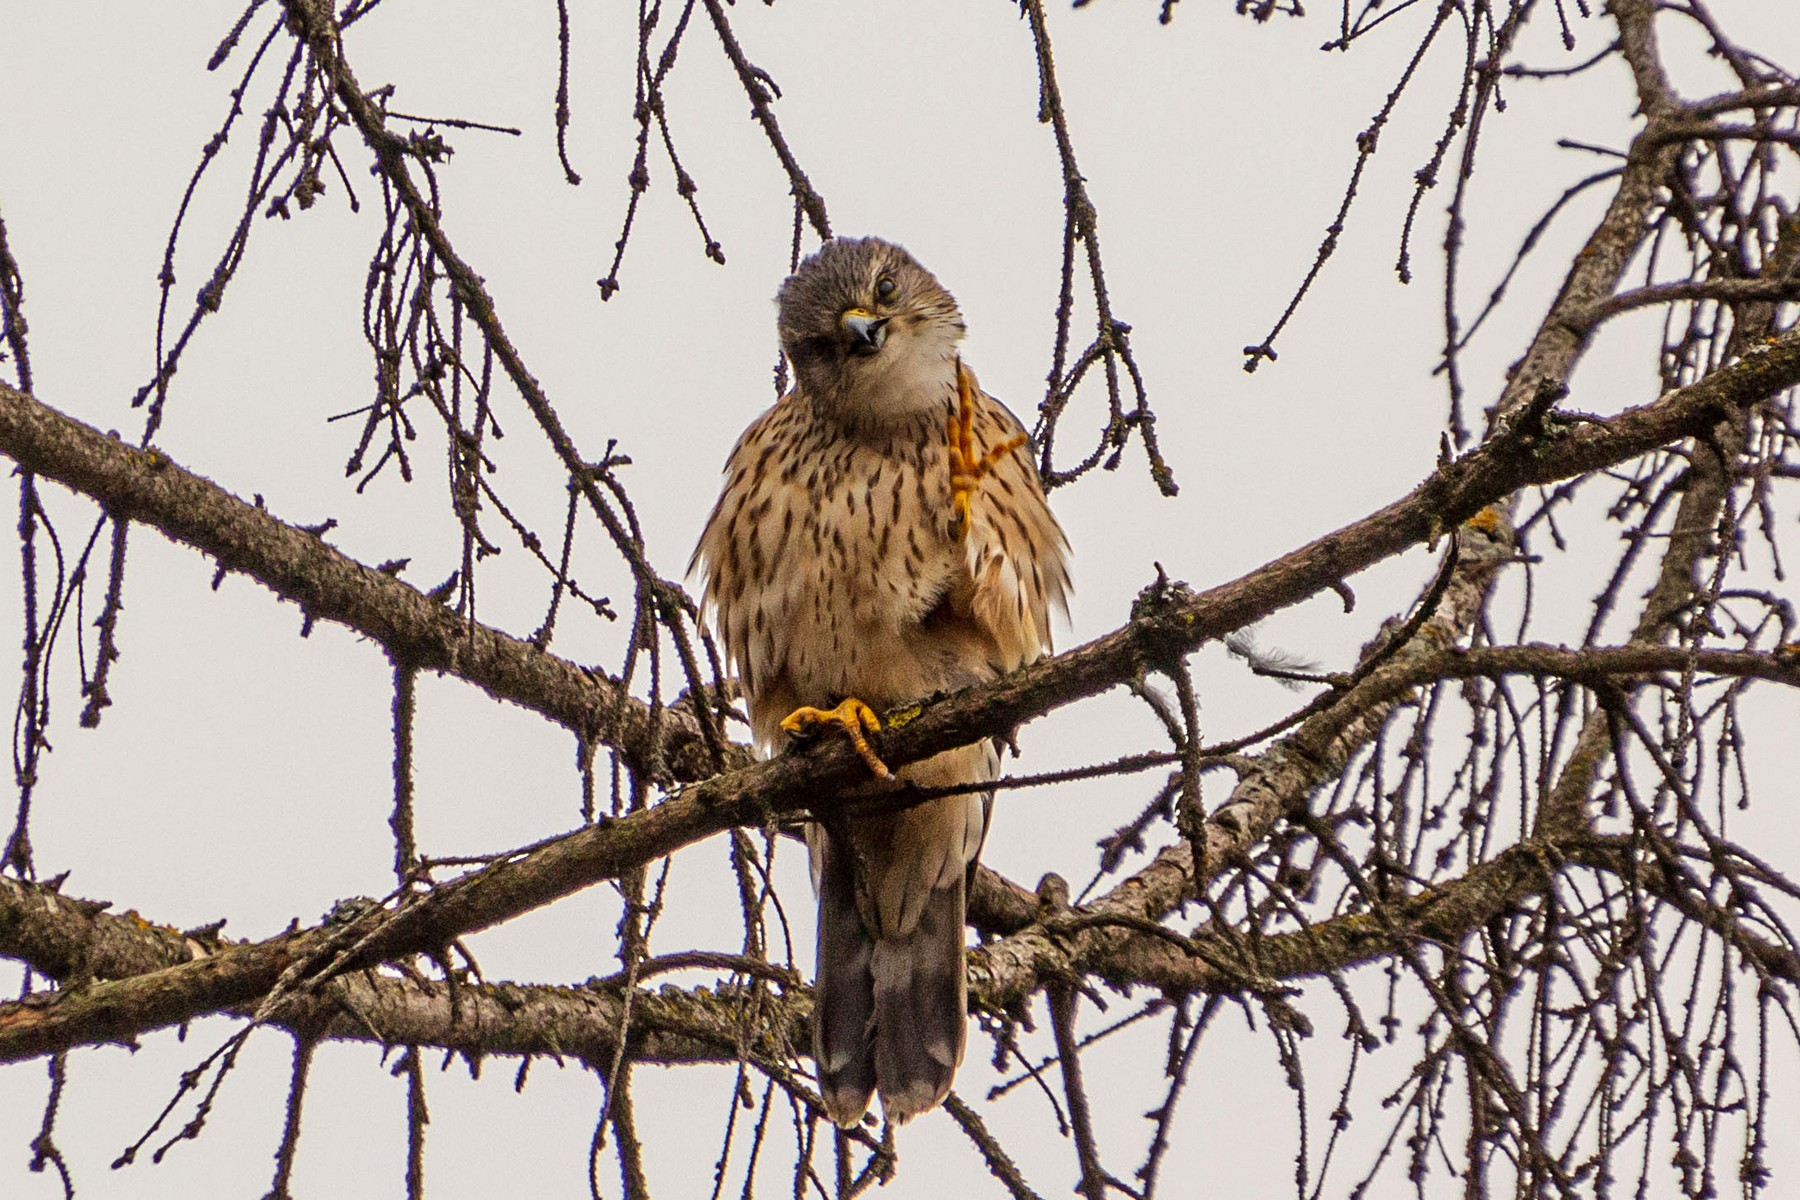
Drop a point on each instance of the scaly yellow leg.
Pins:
(967, 463)
(853, 717)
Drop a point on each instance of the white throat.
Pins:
(912, 374)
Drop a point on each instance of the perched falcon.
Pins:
(882, 536)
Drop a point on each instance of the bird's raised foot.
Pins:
(967, 464)
(852, 716)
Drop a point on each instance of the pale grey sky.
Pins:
(245, 772)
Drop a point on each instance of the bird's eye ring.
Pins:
(884, 288)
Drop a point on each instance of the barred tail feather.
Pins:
(921, 1006)
(843, 994)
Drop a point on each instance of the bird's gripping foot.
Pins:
(967, 464)
(854, 717)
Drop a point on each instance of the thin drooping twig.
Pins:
(13, 326)
(562, 93)
(44, 1150)
(406, 850)
(1111, 347)
(999, 1163)
(32, 717)
(1094, 1180)
(661, 602)
(651, 108)
(762, 91)
(290, 1130)
(264, 176)
(417, 1117)
(1367, 142)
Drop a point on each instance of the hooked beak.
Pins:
(866, 330)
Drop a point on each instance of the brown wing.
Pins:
(739, 552)
(1017, 555)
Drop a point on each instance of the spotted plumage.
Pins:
(834, 567)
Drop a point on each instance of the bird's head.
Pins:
(871, 334)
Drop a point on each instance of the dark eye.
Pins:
(884, 288)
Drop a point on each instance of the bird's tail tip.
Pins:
(901, 1105)
(848, 1107)
(845, 1105)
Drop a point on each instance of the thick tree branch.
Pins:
(67, 938)
(147, 483)
(1444, 914)
(1594, 664)
(297, 565)
(63, 936)
(76, 942)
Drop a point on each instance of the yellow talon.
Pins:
(967, 466)
(852, 716)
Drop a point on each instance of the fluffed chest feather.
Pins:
(826, 553)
